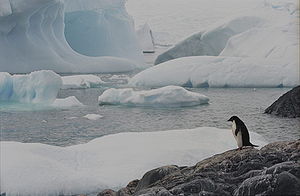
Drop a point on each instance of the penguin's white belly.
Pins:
(237, 137)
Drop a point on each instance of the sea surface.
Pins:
(64, 127)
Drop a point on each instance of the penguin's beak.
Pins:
(229, 120)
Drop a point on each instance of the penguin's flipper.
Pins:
(236, 131)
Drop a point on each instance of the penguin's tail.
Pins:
(254, 145)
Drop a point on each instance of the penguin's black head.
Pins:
(233, 118)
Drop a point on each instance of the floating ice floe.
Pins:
(36, 87)
(169, 96)
(218, 71)
(93, 116)
(33, 36)
(109, 161)
(71, 101)
(81, 81)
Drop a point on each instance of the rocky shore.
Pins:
(272, 170)
(288, 105)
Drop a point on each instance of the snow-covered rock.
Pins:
(36, 87)
(145, 38)
(212, 71)
(32, 38)
(81, 81)
(39, 169)
(210, 42)
(169, 96)
(101, 28)
(71, 101)
(93, 116)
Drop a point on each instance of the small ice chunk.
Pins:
(71, 101)
(169, 96)
(93, 116)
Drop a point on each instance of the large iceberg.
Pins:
(218, 71)
(145, 37)
(32, 38)
(169, 96)
(106, 162)
(101, 28)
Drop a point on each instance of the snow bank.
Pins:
(93, 116)
(145, 38)
(81, 81)
(211, 71)
(101, 28)
(36, 87)
(210, 42)
(32, 38)
(169, 96)
(109, 161)
(71, 101)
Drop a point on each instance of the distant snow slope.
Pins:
(107, 162)
(267, 32)
(169, 96)
(220, 71)
(32, 38)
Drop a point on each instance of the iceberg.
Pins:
(81, 81)
(36, 87)
(169, 96)
(101, 28)
(39, 169)
(218, 71)
(145, 38)
(32, 38)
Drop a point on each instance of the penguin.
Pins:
(240, 133)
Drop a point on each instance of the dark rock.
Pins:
(155, 175)
(288, 105)
(272, 170)
(107, 192)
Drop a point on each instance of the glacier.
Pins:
(32, 38)
(168, 96)
(39, 169)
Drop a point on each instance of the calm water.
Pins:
(65, 127)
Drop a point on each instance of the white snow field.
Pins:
(81, 81)
(169, 96)
(109, 161)
(145, 38)
(32, 37)
(36, 87)
(210, 71)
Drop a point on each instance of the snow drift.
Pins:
(32, 38)
(109, 161)
(211, 71)
(169, 96)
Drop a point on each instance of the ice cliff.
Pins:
(32, 36)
